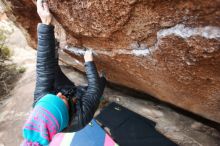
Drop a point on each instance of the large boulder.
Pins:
(168, 49)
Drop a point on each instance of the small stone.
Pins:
(196, 125)
(118, 99)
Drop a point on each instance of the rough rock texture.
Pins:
(13, 112)
(169, 49)
(24, 14)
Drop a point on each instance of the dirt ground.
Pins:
(17, 106)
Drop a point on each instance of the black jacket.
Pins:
(50, 79)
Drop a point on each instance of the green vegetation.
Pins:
(9, 72)
(4, 50)
(21, 69)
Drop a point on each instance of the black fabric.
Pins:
(131, 129)
(51, 79)
(47, 62)
(89, 102)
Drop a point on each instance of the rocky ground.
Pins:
(16, 107)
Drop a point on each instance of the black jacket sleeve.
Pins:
(88, 104)
(47, 61)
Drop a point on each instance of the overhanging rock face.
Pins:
(169, 49)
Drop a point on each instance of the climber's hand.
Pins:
(44, 12)
(88, 56)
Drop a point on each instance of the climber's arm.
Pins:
(46, 58)
(88, 104)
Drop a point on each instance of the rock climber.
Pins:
(59, 105)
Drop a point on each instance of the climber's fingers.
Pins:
(45, 6)
(39, 6)
(43, 12)
(42, 7)
(88, 56)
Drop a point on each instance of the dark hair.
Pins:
(68, 91)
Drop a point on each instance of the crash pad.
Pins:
(130, 129)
